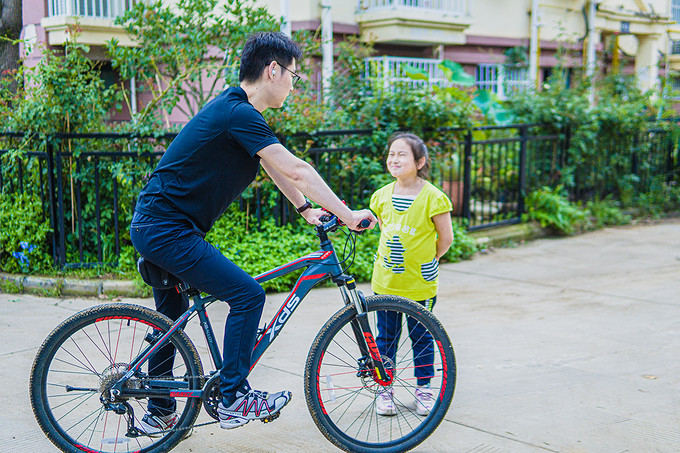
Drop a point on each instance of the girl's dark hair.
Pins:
(261, 49)
(418, 149)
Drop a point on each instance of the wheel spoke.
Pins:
(347, 409)
(81, 361)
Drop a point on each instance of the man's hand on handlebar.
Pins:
(355, 221)
(313, 215)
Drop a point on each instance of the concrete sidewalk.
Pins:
(567, 345)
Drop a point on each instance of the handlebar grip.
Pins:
(365, 223)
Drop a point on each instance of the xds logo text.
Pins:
(283, 317)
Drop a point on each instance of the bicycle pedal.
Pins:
(270, 418)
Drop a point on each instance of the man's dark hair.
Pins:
(263, 48)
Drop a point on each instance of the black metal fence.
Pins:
(88, 183)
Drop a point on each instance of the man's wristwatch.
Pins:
(304, 207)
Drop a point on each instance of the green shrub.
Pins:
(663, 197)
(606, 212)
(259, 250)
(24, 242)
(464, 246)
(551, 209)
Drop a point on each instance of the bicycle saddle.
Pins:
(155, 276)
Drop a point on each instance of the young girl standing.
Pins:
(415, 231)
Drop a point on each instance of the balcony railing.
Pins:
(502, 80)
(456, 7)
(392, 70)
(105, 9)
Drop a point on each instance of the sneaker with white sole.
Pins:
(154, 425)
(252, 405)
(424, 400)
(384, 403)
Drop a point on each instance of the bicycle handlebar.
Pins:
(331, 222)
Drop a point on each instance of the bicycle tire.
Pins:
(342, 403)
(91, 350)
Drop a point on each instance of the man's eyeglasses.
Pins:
(296, 78)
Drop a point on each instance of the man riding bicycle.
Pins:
(213, 159)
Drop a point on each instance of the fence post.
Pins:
(467, 176)
(634, 158)
(53, 205)
(524, 137)
(564, 159)
(669, 156)
(60, 210)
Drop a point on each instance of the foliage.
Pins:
(464, 246)
(604, 138)
(517, 56)
(24, 243)
(62, 93)
(259, 250)
(663, 197)
(479, 106)
(303, 110)
(186, 50)
(551, 209)
(347, 82)
(606, 212)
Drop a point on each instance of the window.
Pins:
(501, 80)
(675, 47)
(675, 10)
(674, 87)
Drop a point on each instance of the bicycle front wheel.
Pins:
(342, 393)
(84, 356)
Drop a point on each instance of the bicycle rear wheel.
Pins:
(341, 393)
(84, 356)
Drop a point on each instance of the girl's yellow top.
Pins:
(405, 263)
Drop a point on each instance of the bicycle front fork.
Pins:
(370, 361)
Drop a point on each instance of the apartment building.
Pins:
(506, 44)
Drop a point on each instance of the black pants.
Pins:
(180, 248)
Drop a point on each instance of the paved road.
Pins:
(565, 345)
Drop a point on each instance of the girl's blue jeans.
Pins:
(389, 331)
(180, 248)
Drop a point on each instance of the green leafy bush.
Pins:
(606, 212)
(63, 93)
(190, 48)
(257, 251)
(663, 197)
(24, 242)
(464, 246)
(551, 209)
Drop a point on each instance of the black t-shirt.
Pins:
(210, 162)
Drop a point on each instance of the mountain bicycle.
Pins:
(89, 382)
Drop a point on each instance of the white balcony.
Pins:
(413, 21)
(93, 18)
(456, 7)
(104, 9)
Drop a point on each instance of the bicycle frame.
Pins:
(319, 265)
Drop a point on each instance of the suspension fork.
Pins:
(362, 332)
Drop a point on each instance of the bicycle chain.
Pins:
(172, 430)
